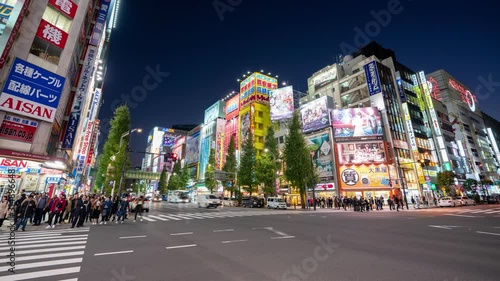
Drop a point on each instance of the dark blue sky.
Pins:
(292, 39)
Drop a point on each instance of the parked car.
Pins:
(208, 200)
(276, 203)
(449, 202)
(466, 201)
(491, 200)
(230, 202)
(252, 202)
(145, 206)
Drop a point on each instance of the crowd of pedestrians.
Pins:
(75, 210)
(359, 204)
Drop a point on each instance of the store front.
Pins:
(33, 173)
(323, 190)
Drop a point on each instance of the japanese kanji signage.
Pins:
(95, 104)
(76, 108)
(67, 7)
(31, 91)
(93, 142)
(13, 33)
(18, 129)
(87, 138)
(99, 23)
(52, 34)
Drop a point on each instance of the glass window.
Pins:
(45, 50)
(55, 17)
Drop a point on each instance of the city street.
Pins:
(260, 244)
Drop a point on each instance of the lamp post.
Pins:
(312, 180)
(274, 173)
(126, 154)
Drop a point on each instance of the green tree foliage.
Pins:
(230, 166)
(264, 173)
(120, 124)
(445, 180)
(271, 144)
(162, 184)
(296, 156)
(469, 184)
(210, 181)
(246, 172)
(176, 178)
(185, 176)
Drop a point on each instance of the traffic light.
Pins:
(173, 156)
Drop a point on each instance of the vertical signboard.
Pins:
(12, 29)
(67, 7)
(32, 91)
(372, 78)
(99, 23)
(52, 34)
(78, 102)
(95, 104)
(93, 142)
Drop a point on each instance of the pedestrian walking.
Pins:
(138, 207)
(106, 209)
(43, 201)
(26, 210)
(58, 207)
(121, 213)
(4, 209)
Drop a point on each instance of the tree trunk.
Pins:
(303, 199)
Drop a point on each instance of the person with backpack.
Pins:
(26, 211)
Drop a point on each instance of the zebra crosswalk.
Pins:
(34, 255)
(208, 215)
(465, 210)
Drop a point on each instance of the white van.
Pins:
(276, 203)
(208, 200)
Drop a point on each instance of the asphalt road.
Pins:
(451, 244)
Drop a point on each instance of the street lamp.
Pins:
(312, 179)
(274, 173)
(126, 154)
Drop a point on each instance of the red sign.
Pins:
(52, 34)
(13, 33)
(467, 97)
(13, 163)
(29, 156)
(15, 104)
(19, 129)
(67, 7)
(86, 139)
(92, 146)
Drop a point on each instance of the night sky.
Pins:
(293, 39)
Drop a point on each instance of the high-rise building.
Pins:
(254, 109)
(52, 75)
(232, 124)
(212, 136)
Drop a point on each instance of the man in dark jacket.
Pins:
(40, 206)
(77, 209)
(26, 210)
(17, 206)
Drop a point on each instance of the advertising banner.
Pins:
(95, 104)
(364, 176)
(193, 148)
(206, 145)
(79, 99)
(232, 107)
(67, 7)
(315, 115)
(361, 153)
(372, 78)
(87, 138)
(18, 129)
(281, 103)
(5, 13)
(324, 78)
(52, 34)
(321, 145)
(98, 31)
(11, 29)
(355, 124)
(31, 91)
(93, 142)
(213, 112)
(245, 127)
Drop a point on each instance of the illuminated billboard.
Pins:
(361, 153)
(323, 78)
(256, 88)
(213, 112)
(355, 124)
(364, 176)
(321, 145)
(281, 101)
(315, 115)
(232, 107)
(372, 78)
(245, 126)
(193, 148)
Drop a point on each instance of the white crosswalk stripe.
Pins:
(463, 211)
(210, 215)
(40, 254)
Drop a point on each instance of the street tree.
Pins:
(264, 173)
(298, 168)
(246, 171)
(162, 184)
(271, 145)
(185, 176)
(120, 124)
(230, 166)
(210, 181)
(445, 180)
(470, 185)
(175, 182)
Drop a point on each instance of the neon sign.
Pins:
(467, 96)
(434, 88)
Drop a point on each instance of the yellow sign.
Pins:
(364, 176)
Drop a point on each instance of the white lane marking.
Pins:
(44, 250)
(37, 274)
(478, 211)
(181, 246)
(265, 227)
(463, 216)
(42, 264)
(488, 233)
(114, 253)
(47, 256)
(158, 218)
(234, 241)
(73, 279)
(223, 230)
(181, 217)
(131, 237)
(147, 219)
(182, 233)
(492, 212)
(283, 237)
(170, 217)
(46, 232)
(31, 238)
(441, 226)
(192, 216)
(45, 245)
(51, 240)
